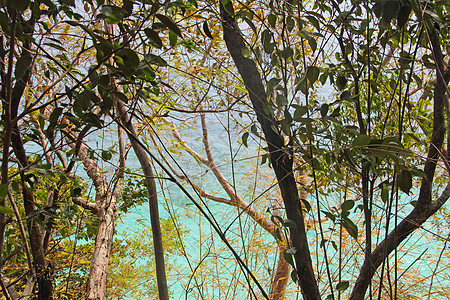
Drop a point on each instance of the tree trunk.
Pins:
(280, 156)
(96, 285)
(105, 209)
(152, 200)
(425, 207)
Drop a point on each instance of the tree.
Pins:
(364, 72)
(58, 117)
(350, 99)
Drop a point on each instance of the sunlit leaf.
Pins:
(246, 52)
(361, 140)
(350, 227)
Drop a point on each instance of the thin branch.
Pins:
(86, 204)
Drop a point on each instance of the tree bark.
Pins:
(105, 208)
(13, 97)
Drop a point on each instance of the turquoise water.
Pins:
(200, 242)
(215, 269)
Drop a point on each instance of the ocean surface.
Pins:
(200, 266)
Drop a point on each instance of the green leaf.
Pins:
(153, 37)
(54, 116)
(312, 43)
(157, 60)
(312, 74)
(361, 140)
(324, 110)
(416, 172)
(169, 23)
(346, 95)
(106, 155)
(245, 139)
(278, 234)
(404, 181)
(277, 219)
(306, 205)
(286, 126)
(333, 243)
(342, 286)
(286, 53)
(4, 23)
(266, 37)
(347, 205)
(130, 58)
(6, 210)
(58, 47)
(272, 20)
(384, 192)
(314, 22)
(251, 25)
(22, 66)
(281, 100)
(290, 223)
(329, 215)
(272, 83)
(20, 5)
(390, 10)
(113, 14)
(3, 191)
(403, 15)
(350, 227)
(349, 156)
(290, 23)
(299, 112)
(246, 52)
(121, 96)
(341, 82)
(228, 6)
(294, 276)
(288, 257)
(206, 30)
(173, 37)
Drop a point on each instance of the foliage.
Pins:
(348, 105)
